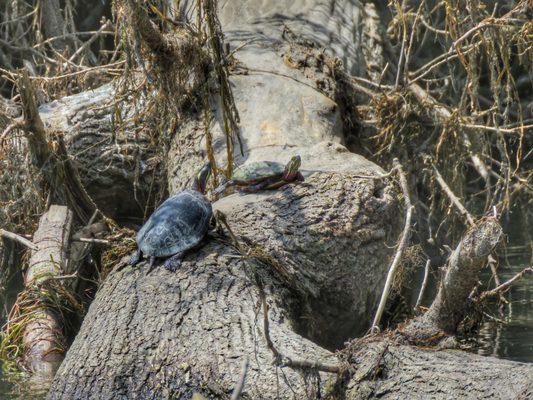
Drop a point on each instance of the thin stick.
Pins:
(402, 50)
(284, 361)
(504, 286)
(424, 284)
(240, 385)
(375, 177)
(411, 40)
(70, 74)
(266, 327)
(18, 238)
(518, 130)
(85, 45)
(90, 240)
(456, 202)
(403, 243)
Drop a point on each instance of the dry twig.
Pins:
(240, 384)
(284, 361)
(506, 285)
(424, 285)
(19, 239)
(401, 247)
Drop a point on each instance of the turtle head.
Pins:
(291, 169)
(200, 181)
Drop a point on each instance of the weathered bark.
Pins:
(389, 371)
(322, 250)
(42, 339)
(462, 274)
(119, 169)
(326, 240)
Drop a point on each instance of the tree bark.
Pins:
(320, 249)
(42, 339)
(390, 371)
(319, 246)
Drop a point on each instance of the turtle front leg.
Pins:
(277, 183)
(136, 258)
(151, 264)
(174, 262)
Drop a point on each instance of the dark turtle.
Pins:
(264, 175)
(179, 224)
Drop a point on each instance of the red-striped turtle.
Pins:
(262, 175)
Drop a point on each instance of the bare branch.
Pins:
(401, 246)
(19, 239)
(424, 285)
(506, 285)
(240, 385)
(284, 361)
(462, 209)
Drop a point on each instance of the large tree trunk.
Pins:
(320, 249)
(164, 335)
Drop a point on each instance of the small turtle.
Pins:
(260, 175)
(179, 224)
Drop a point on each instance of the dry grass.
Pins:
(52, 295)
(459, 103)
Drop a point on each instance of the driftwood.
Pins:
(319, 250)
(461, 276)
(60, 175)
(168, 335)
(162, 335)
(43, 342)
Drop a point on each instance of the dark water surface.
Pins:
(510, 334)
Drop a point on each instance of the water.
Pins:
(510, 334)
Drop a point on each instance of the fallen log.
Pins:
(167, 335)
(43, 342)
(319, 250)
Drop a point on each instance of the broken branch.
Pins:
(506, 285)
(403, 243)
(19, 239)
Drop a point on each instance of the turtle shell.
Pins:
(178, 224)
(257, 171)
